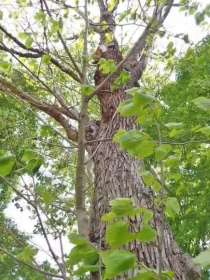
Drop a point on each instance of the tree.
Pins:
(57, 64)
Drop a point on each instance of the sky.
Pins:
(175, 23)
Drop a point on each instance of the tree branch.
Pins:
(29, 265)
(64, 44)
(48, 109)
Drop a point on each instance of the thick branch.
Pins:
(48, 109)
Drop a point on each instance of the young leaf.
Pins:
(77, 239)
(5, 65)
(46, 58)
(83, 252)
(6, 165)
(160, 153)
(29, 42)
(117, 262)
(172, 206)
(87, 89)
(117, 234)
(147, 234)
(121, 206)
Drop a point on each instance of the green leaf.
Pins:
(145, 149)
(77, 239)
(34, 164)
(173, 125)
(117, 234)
(107, 66)
(5, 65)
(27, 254)
(23, 35)
(46, 130)
(6, 165)
(172, 206)
(160, 153)
(121, 206)
(116, 262)
(127, 108)
(40, 16)
(145, 275)
(108, 217)
(47, 197)
(39, 189)
(86, 268)
(28, 155)
(142, 98)
(54, 26)
(83, 252)
(46, 58)
(202, 103)
(87, 89)
(203, 259)
(29, 42)
(147, 216)
(147, 234)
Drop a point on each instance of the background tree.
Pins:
(54, 60)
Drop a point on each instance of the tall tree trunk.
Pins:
(116, 175)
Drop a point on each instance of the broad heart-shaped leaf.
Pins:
(108, 217)
(127, 108)
(87, 89)
(203, 259)
(142, 97)
(5, 65)
(86, 268)
(145, 149)
(147, 216)
(83, 252)
(160, 153)
(29, 42)
(47, 197)
(172, 206)
(121, 206)
(34, 164)
(29, 154)
(6, 164)
(146, 234)
(46, 58)
(117, 234)
(202, 103)
(77, 239)
(116, 262)
(135, 142)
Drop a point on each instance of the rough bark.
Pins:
(116, 175)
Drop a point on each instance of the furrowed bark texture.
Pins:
(116, 175)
